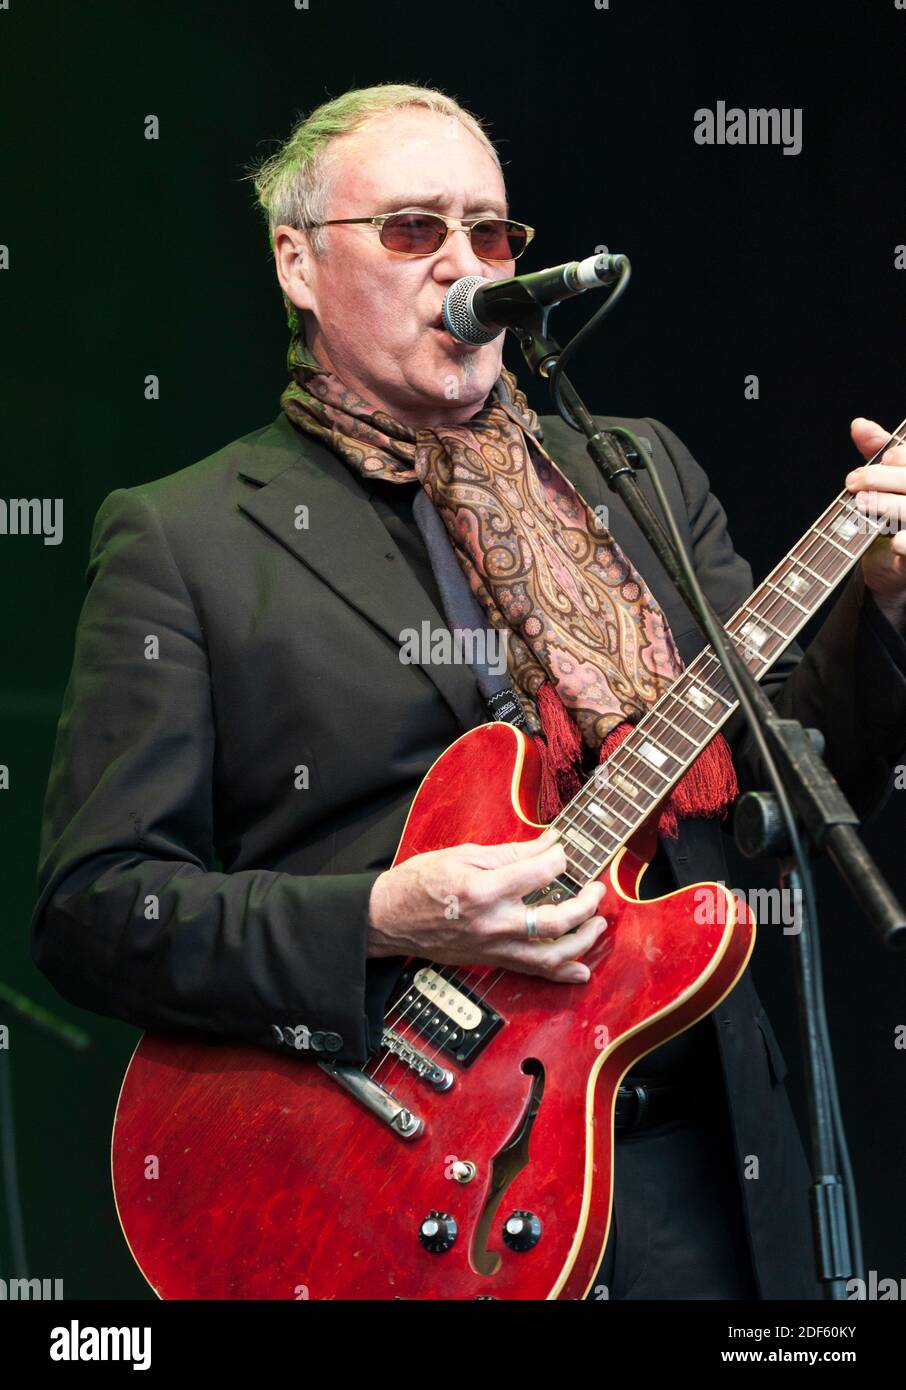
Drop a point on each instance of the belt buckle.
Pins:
(641, 1105)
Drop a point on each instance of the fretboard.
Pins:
(620, 794)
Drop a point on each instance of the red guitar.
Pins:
(473, 1157)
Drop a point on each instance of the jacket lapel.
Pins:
(345, 543)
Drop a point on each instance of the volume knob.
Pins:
(521, 1230)
(438, 1232)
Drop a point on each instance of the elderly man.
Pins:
(240, 740)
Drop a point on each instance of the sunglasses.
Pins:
(424, 233)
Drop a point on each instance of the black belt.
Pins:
(642, 1103)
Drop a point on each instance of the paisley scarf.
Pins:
(588, 647)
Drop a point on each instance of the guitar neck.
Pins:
(620, 794)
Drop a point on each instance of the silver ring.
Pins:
(531, 923)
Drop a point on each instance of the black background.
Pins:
(130, 257)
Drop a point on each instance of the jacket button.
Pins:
(317, 1042)
(333, 1042)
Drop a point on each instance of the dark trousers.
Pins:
(678, 1229)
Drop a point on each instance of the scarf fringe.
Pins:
(708, 788)
(561, 752)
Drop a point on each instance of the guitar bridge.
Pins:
(438, 1077)
(381, 1103)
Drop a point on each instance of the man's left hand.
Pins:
(879, 488)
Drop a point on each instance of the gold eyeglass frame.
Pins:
(453, 224)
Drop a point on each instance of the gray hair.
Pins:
(292, 185)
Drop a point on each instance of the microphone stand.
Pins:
(801, 780)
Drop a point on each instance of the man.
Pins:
(240, 740)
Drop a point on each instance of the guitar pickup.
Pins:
(446, 1014)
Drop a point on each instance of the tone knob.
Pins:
(438, 1232)
(521, 1230)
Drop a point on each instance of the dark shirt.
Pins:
(692, 1051)
(393, 504)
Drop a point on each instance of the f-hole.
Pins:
(507, 1166)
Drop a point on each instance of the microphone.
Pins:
(476, 310)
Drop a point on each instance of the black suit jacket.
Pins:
(240, 743)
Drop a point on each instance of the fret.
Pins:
(682, 732)
(830, 540)
(703, 719)
(603, 779)
(717, 673)
(579, 840)
(575, 853)
(752, 639)
(585, 872)
(772, 601)
(820, 578)
(603, 808)
(848, 523)
(638, 771)
(716, 697)
(629, 824)
(598, 809)
(863, 522)
(620, 794)
(700, 700)
(760, 618)
(618, 804)
(787, 598)
(625, 785)
(595, 822)
(649, 749)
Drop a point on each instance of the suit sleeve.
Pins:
(134, 919)
(850, 682)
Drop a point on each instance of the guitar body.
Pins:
(274, 1182)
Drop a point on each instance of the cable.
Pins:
(824, 1078)
(584, 332)
(825, 1089)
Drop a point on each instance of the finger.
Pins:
(524, 877)
(547, 960)
(511, 851)
(868, 436)
(552, 920)
(887, 475)
(887, 507)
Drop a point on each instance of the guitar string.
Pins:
(820, 551)
(819, 548)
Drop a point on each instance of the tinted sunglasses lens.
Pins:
(413, 233)
(498, 240)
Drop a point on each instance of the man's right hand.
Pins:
(463, 906)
